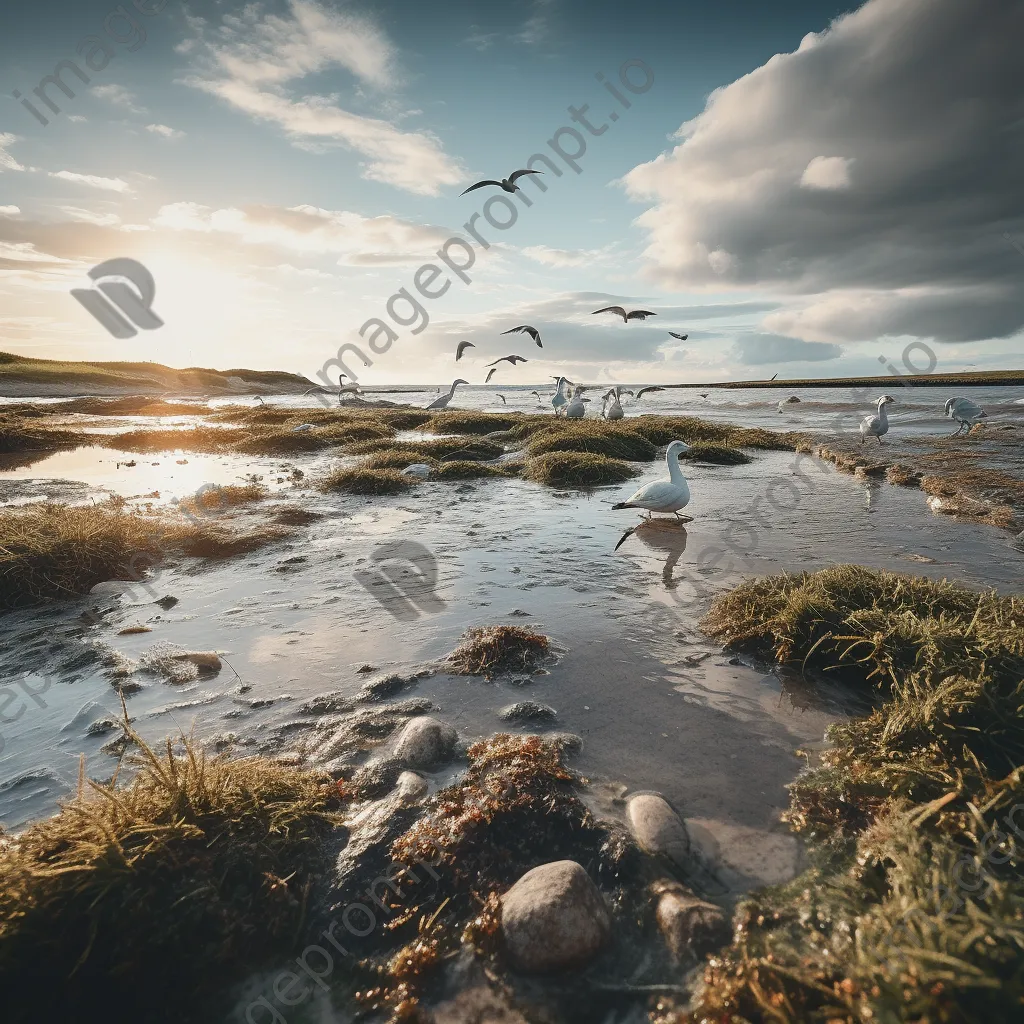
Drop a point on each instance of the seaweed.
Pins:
(490, 649)
(576, 469)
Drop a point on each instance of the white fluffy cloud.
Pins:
(870, 175)
(93, 181)
(9, 211)
(164, 131)
(357, 240)
(119, 96)
(7, 162)
(255, 62)
(563, 257)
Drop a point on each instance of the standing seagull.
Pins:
(612, 409)
(508, 359)
(635, 314)
(442, 402)
(877, 425)
(664, 495)
(508, 184)
(558, 400)
(965, 412)
(526, 329)
(463, 345)
(576, 409)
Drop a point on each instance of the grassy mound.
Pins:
(50, 551)
(576, 469)
(20, 434)
(203, 438)
(912, 908)
(365, 481)
(200, 863)
(718, 454)
(284, 440)
(595, 438)
(456, 422)
(131, 405)
(397, 457)
(467, 470)
(218, 498)
(439, 448)
(486, 650)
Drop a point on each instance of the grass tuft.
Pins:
(456, 422)
(490, 649)
(718, 454)
(365, 481)
(576, 469)
(593, 437)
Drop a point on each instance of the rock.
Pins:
(658, 829)
(425, 742)
(328, 704)
(167, 603)
(478, 1005)
(411, 788)
(567, 742)
(528, 711)
(692, 927)
(387, 686)
(205, 661)
(418, 471)
(378, 777)
(553, 918)
(101, 726)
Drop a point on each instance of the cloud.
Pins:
(356, 240)
(167, 133)
(119, 96)
(7, 162)
(104, 220)
(14, 254)
(563, 257)
(9, 211)
(870, 175)
(93, 181)
(761, 349)
(254, 60)
(77, 118)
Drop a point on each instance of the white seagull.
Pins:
(558, 399)
(877, 425)
(442, 402)
(965, 412)
(612, 407)
(664, 495)
(576, 410)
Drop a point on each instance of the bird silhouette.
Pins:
(526, 329)
(508, 359)
(508, 184)
(643, 391)
(635, 314)
(490, 374)
(681, 337)
(463, 345)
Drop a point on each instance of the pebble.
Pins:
(528, 711)
(411, 788)
(386, 686)
(657, 828)
(328, 704)
(554, 917)
(378, 777)
(425, 742)
(691, 926)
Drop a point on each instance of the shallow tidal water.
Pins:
(657, 705)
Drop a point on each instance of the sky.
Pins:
(801, 188)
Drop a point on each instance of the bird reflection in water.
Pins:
(666, 535)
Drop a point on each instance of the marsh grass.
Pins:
(361, 480)
(218, 498)
(485, 650)
(131, 405)
(436, 448)
(717, 454)
(21, 434)
(201, 438)
(888, 924)
(197, 862)
(576, 469)
(593, 437)
(456, 422)
(461, 469)
(50, 551)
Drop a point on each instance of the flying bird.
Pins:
(526, 329)
(681, 337)
(442, 402)
(643, 391)
(463, 345)
(965, 412)
(490, 374)
(773, 378)
(877, 425)
(704, 394)
(558, 399)
(634, 314)
(260, 400)
(503, 402)
(510, 359)
(508, 184)
(663, 495)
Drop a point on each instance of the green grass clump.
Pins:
(203, 863)
(50, 551)
(594, 437)
(911, 910)
(456, 422)
(462, 469)
(438, 448)
(365, 481)
(576, 469)
(719, 454)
